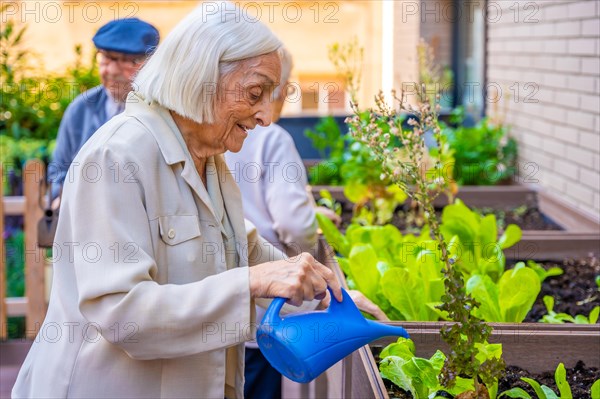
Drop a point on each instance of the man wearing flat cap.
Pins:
(123, 46)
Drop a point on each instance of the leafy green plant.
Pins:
(350, 162)
(329, 202)
(595, 391)
(543, 391)
(402, 273)
(484, 154)
(329, 140)
(542, 273)
(32, 101)
(476, 238)
(559, 318)
(508, 300)
(420, 376)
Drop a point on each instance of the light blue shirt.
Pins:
(89, 111)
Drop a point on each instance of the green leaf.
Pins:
(483, 289)
(462, 385)
(410, 298)
(550, 394)
(391, 368)
(403, 347)
(549, 303)
(488, 230)
(333, 235)
(518, 393)
(423, 371)
(595, 391)
(512, 235)
(356, 192)
(518, 288)
(488, 351)
(593, 317)
(536, 387)
(560, 377)
(363, 266)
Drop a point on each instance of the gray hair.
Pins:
(183, 73)
(287, 63)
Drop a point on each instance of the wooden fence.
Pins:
(33, 305)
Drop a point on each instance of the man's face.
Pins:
(117, 71)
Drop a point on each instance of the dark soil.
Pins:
(575, 291)
(580, 378)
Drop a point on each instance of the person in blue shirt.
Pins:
(122, 48)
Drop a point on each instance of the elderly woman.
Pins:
(152, 296)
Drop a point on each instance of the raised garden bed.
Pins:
(552, 230)
(535, 347)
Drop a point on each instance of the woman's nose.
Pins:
(264, 115)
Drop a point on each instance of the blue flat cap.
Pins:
(128, 35)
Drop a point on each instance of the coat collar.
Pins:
(172, 146)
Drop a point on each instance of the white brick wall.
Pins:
(554, 46)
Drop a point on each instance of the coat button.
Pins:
(171, 234)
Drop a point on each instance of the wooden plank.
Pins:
(554, 246)
(14, 205)
(536, 347)
(34, 256)
(3, 310)
(473, 196)
(16, 307)
(567, 215)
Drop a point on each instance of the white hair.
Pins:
(287, 64)
(182, 75)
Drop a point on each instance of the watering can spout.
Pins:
(303, 345)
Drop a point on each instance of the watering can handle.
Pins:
(278, 303)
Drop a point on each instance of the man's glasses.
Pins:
(122, 60)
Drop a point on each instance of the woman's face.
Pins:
(244, 100)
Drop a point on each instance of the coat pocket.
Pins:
(176, 229)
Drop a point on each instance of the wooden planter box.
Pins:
(535, 347)
(580, 237)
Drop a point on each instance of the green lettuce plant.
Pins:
(508, 300)
(560, 318)
(420, 376)
(484, 154)
(543, 391)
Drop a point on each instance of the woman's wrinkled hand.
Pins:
(299, 278)
(329, 214)
(365, 304)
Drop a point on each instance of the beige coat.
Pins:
(143, 304)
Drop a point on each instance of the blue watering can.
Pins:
(303, 345)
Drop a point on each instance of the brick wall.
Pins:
(544, 56)
(407, 27)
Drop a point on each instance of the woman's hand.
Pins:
(365, 304)
(299, 278)
(329, 214)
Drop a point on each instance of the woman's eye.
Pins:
(255, 95)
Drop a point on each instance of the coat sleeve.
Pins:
(260, 251)
(291, 210)
(102, 212)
